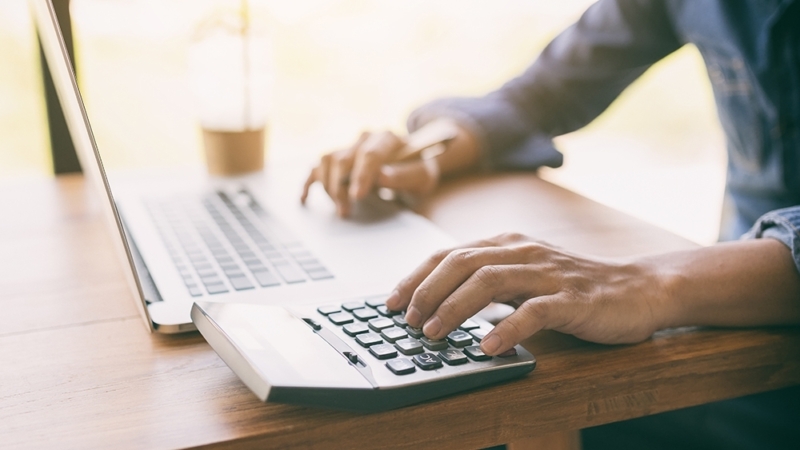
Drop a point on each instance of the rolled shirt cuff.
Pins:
(505, 142)
(783, 225)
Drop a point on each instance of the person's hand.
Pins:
(596, 300)
(351, 174)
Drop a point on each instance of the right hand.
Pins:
(351, 174)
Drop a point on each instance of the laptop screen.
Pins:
(71, 102)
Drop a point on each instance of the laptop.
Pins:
(185, 237)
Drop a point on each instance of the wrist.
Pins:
(662, 285)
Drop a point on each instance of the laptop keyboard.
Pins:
(230, 243)
(401, 348)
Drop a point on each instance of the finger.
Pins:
(401, 296)
(341, 165)
(374, 152)
(488, 283)
(418, 177)
(323, 170)
(531, 317)
(312, 178)
(455, 270)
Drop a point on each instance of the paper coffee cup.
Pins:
(234, 152)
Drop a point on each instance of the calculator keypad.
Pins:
(389, 338)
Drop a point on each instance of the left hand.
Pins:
(598, 300)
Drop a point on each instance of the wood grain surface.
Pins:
(80, 371)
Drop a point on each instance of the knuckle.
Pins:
(460, 257)
(512, 236)
(488, 276)
(534, 310)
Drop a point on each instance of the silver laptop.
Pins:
(187, 237)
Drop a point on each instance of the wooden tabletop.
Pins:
(79, 369)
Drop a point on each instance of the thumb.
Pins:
(416, 177)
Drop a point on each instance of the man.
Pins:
(752, 51)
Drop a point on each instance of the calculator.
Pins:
(354, 355)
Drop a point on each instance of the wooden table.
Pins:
(79, 369)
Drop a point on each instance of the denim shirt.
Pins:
(752, 53)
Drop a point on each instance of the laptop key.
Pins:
(216, 288)
(290, 274)
(317, 275)
(241, 283)
(195, 291)
(266, 279)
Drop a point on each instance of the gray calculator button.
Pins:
(383, 351)
(380, 323)
(340, 318)
(433, 344)
(365, 314)
(469, 324)
(374, 302)
(386, 312)
(368, 339)
(392, 334)
(476, 353)
(328, 309)
(459, 338)
(352, 306)
(479, 334)
(401, 366)
(428, 361)
(409, 346)
(415, 332)
(453, 356)
(356, 328)
(400, 321)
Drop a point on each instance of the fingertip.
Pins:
(491, 344)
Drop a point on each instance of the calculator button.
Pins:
(409, 346)
(352, 306)
(312, 323)
(380, 323)
(453, 357)
(392, 334)
(383, 351)
(400, 321)
(469, 324)
(365, 314)
(401, 366)
(384, 311)
(355, 328)
(329, 309)
(369, 339)
(433, 344)
(427, 361)
(479, 334)
(415, 332)
(459, 338)
(510, 352)
(340, 318)
(476, 353)
(376, 301)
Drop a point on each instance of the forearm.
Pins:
(736, 284)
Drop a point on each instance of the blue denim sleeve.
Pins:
(574, 79)
(783, 225)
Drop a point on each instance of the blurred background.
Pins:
(342, 66)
